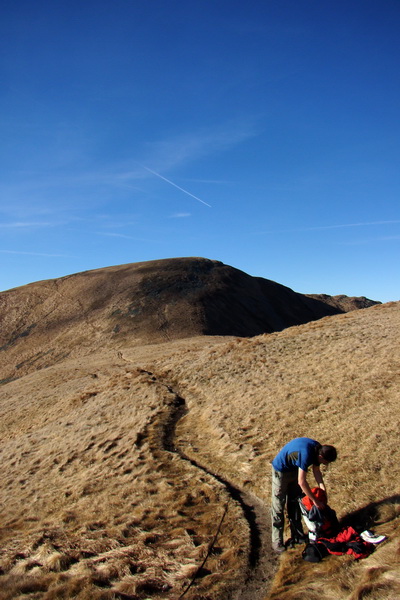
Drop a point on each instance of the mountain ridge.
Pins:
(146, 302)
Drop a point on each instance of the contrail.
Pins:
(177, 186)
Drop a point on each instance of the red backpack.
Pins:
(319, 521)
(324, 531)
(320, 495)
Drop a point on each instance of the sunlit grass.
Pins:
(94, 505)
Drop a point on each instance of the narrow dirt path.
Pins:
(261, 562)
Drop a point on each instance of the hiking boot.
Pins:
(372, 538)
(278, 548)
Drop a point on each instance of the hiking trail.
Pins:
(261, 561)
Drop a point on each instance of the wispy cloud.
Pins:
(362, 224)
(326, 227)
(211, 181)
(386, 238)
(173, 153)
(180, 215)
(33, 192)
(37, 254)
(28, 224)
(169, 153)
(124, 236)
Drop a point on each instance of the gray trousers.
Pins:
(285, 489)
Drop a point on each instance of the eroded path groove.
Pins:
(261, 564)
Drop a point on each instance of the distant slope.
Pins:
(344, 303)
(141, 303)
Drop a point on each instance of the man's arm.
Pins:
(302, 481)
(318, 477)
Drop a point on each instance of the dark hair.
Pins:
(328, 453)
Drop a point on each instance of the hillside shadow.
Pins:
(368, 516)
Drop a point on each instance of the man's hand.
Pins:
(302, 481)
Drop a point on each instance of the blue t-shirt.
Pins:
(298, 453)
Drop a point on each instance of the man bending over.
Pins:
(289, 479)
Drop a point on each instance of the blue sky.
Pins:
(264, 134)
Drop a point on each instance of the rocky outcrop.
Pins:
(345, 303)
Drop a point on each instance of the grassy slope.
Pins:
(95, 506)
(337, 380)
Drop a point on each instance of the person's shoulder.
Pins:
(305, 441)
(308, 441)
(298, 440)
(308, 445)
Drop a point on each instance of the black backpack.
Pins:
(314, 552)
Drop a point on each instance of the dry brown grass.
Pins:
(336, 380)
(96, 505)
(92, 503)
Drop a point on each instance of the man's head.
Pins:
(326, 454)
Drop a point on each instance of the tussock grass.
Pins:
(95, 506)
